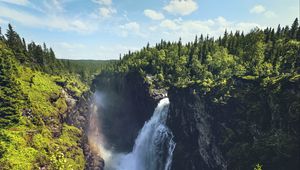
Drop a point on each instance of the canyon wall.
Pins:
(256, 125)
(252, 125)
(127, 104)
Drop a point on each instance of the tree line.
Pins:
(209, 62)
(42, 58)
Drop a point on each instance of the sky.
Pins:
(104, 29)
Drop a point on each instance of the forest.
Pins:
(249, 83)
(36, 93)
(32, 79)
(263, 55)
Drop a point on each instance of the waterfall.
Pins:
(154, 145)
(96, 139)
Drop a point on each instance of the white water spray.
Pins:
(153, 147)
(96, 139)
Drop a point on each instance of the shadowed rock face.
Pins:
(255, 125)
(193, 133)
(127, 105)
(79, 116)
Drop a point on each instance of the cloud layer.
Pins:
(153, 14)
(17, 2)
(53, 22)
(181, 7)
(121, 26)
(260, 9)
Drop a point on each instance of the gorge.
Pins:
(212, 104)
(207, 135)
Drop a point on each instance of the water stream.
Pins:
(153, 147)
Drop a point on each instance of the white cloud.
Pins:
(258, 9)
(270, 14)
(54, 6)
(2, 21)
(103, 2)
(106, 12)
(181, 7)
(105, 9)
(103, 51)
(131, 27)
(222, 21)
(153, 28)
(17, 2)
(188, 29)
(153, 14)
(52, 22)
(244, 26)
(71, 46)
(79, 25)
(169, 24)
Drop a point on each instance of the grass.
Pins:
(30, 144)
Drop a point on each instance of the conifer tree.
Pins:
(14, 42)
(294, 29)
(10, 98)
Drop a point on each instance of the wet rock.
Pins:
(158, 94)
(78, 116)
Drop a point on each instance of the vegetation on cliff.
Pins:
(265, 55)
(37, 91)
(250, 83)
(258, 72)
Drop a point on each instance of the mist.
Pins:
(153, 142)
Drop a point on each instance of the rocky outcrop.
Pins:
(192, 127)
(78, 116)
(254, 125)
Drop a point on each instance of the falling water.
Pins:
(153, 147)
(96, 139)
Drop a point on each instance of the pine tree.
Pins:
(225, 39)
(13, 39)
(254, 49)
(14, 42)
(294, 29)
(10, 95)
(278, 32)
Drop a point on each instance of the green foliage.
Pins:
(58, 161)
(34, 90)
(87, 69)
(10, 98)
(35, 86)
(254, 76)
(258, 167)
(211, 63)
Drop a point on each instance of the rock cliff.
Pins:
(79, 116)
(255, 125)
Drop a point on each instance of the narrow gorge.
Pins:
(215, 103)
(191, 132)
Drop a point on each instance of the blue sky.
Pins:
(102, 29)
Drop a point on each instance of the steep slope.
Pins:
(127, 104)
(234, 101)
(257, 125)
(35, 109)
